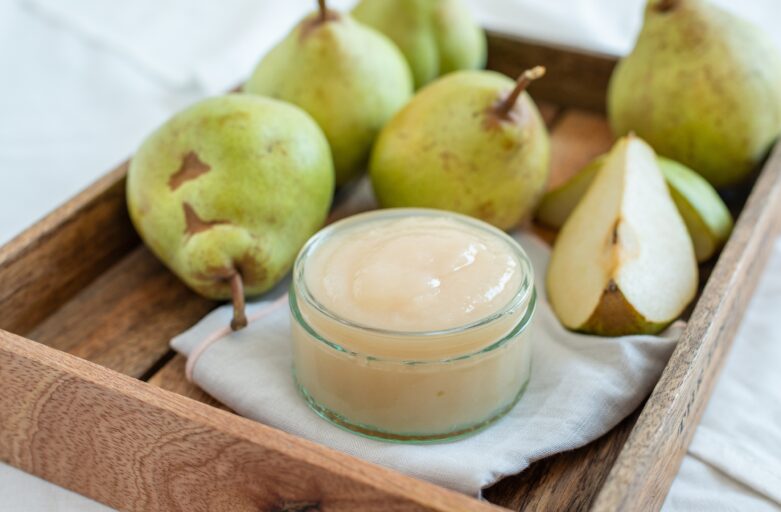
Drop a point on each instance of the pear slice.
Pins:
(707, 218)
(623, 262)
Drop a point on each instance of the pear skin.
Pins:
(557, 204)
(471, 142)
(615, 316)
(350, 78)
(702, 87)
(227, 191)
(436, 36)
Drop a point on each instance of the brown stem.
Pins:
(239, 320)
(323, 10)
(666, 5)
(527, 77)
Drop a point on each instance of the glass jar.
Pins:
(416, 387)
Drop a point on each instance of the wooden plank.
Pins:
(51, 261)
(171, 377)
(574, 78)
(125, 318)
(136, 447)
(578, 138)
(649, 461)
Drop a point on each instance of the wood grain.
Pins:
(573, 78)
(55, 258)
(171, 377)
(648, 463)
(136, 447)
(125, 318)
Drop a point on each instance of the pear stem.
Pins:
(323, 10)
(521, 84)
(239, 320)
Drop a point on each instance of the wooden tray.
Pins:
(98, 403)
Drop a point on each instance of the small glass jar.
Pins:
(414, 387)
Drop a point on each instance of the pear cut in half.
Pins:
(706, 216)
(623, 263)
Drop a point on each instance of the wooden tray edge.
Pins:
(649, 461)
(41, 435)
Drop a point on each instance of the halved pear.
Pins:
(623, 262)
(707, 218)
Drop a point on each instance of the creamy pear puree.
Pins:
(412, 325)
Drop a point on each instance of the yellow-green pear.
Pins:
(707, 218)
(436, 36)
(703, 87)
(350, 78)
(227, 191)
(472, 142)
(623, 262)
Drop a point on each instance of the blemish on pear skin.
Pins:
(193, 224)
(486, 211)
(192, 167)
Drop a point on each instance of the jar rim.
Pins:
(524, 293)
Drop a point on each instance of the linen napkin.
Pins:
(581, 386)
(183, 43)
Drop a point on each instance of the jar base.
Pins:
(377, 434)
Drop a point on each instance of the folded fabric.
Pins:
(183, 43)
(581, 386)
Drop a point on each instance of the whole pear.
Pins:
(702, 86)
(436, 36)
(350, 78)
(469, 142)
(227, 191)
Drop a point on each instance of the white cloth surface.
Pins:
(581, 386)
(73, 104)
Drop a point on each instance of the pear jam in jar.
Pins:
(412, 325)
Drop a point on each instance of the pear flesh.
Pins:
(452, 148)
(623, 262)
(350, 78)
(436, 36)
(702, 87)
(707, 218)
(227, 191)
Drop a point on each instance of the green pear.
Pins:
(350, 78)
(227, 191)
(469, 142)
(436, 36)
(623, 262)
(707, 218)
(702, 86)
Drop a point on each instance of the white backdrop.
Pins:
(83, 81)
